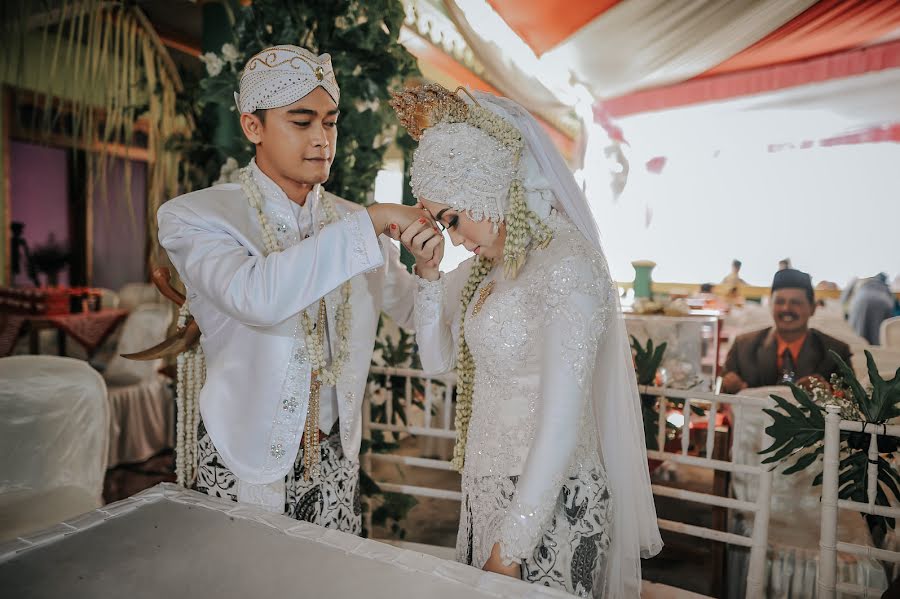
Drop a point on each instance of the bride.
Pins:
(550, 442)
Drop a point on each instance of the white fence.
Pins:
(440, 403)
(756, 579)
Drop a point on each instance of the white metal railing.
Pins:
(440, 404)
(829, 546)
(756, 573)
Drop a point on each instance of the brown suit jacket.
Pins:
(753, 357)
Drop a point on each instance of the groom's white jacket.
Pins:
(247, 305)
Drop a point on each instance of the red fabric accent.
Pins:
(542, 25)
(826, 27)
(656, 165)
(10, 328)
(603, 118)
(723, 87)
(883, 134)
(90, 329)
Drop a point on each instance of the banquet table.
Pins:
(89, 329)
(172, 542)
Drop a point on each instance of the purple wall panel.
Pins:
(39, 190)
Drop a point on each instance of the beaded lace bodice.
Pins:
(534, 340)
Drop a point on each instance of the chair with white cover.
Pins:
(830, 581)
(132, 295)
(761, 476)
(109, 299)
(54, 427)
(141, 402)
(887, 360)
(792, 559)
(890, 333)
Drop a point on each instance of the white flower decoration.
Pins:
(213, 63)
(230, 53)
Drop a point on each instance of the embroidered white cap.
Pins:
(281, 75)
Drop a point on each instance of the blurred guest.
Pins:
(734, 277)
(734, 297)
(847, 295)
(789, 352)
(872, 303)
(706, 299)
(784, 264)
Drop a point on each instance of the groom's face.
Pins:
(298, 140)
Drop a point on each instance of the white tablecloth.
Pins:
(170, 542)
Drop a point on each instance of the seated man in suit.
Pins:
(789, 352)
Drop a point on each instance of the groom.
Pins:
(286, 283)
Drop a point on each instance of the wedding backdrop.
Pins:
(717, 143)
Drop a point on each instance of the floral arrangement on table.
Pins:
(798, 431)
(669, 307)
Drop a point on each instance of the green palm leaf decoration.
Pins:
(798, 431)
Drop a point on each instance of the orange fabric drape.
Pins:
(543, 24)
(826, 27)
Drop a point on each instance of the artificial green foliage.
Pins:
(646, 362)
(794, 427)
(369, 63)
(798, 431)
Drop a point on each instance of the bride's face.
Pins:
(479, 237)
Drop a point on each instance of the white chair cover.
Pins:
(890, 333)
(792, 560)
(132, 295)
(54, 426)
(109, 299)
(141, 403)
(886, 359)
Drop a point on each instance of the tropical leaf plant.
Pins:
(798, 431)
(647, 360)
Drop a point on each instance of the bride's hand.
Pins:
(495, 564)
(391, 219)
(426, 243)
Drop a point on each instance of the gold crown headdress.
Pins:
(420, 108)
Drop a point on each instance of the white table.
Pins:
(171, 542)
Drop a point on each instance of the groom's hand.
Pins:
(425, 242)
